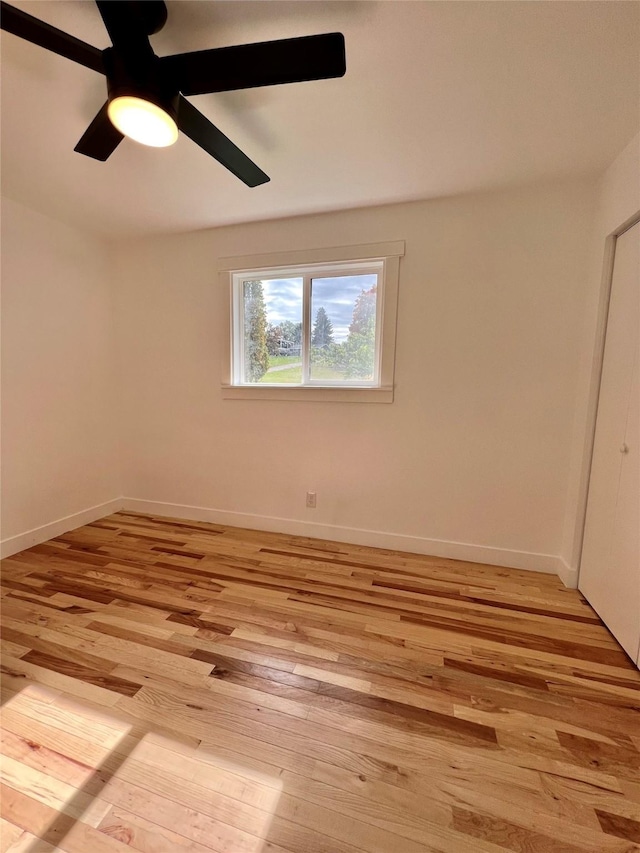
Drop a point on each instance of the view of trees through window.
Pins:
(342, 341)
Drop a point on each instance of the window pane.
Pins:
(343, 328)
(272, 320)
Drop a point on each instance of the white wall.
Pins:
(59, 428)
(476, 447)
(617, 200)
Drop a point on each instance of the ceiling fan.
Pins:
(146, 93)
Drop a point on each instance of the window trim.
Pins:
(388, 253)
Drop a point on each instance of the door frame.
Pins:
(596, 377)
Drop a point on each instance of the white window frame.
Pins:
(381, 258)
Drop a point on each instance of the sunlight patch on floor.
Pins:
(77, 769)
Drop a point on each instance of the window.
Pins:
(324, 329)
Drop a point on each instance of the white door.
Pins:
(610, 565)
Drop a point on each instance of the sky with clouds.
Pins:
(337, 295)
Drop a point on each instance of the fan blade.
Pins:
(198, 128)
(101, 138)
(250, 65)
(37, 32)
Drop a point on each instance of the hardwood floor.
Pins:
(186, 688)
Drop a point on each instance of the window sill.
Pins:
(308, 394)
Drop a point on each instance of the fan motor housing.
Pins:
(138, 80)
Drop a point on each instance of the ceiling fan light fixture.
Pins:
(143, 121)
(145, 93)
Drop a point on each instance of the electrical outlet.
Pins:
(311, 500)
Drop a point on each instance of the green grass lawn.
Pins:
(319, 371)
(293, 376)
(281, 360)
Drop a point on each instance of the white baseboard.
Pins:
(416, 544)
(13, 544)
(568, 576)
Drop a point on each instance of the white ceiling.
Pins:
(440, 98)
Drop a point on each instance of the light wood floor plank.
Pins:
(179, 686)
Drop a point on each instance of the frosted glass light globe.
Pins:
(142, 121)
